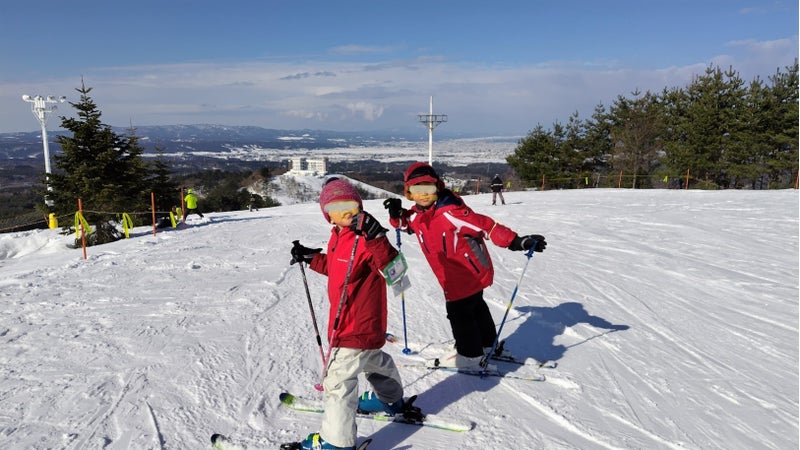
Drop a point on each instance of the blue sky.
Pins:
(495, 68)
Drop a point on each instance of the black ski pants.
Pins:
(472, 325)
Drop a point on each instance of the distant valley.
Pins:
(192, 148)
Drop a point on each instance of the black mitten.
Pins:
(395, 207)
(521, 243)
(303, 254)
(366, 225)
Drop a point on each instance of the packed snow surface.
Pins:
(672, 315)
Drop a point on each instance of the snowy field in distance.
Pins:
(456, 152)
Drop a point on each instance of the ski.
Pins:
(478, 372)
(298, 446)
(425, 420)
(525, 362)
(222, 442)
(499, 355)
(547, 364)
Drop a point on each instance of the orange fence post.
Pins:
(687, 178)
(619, 183)
(153, 208)
(542, 181)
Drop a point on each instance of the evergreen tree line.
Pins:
(726, 133)
(107, 173)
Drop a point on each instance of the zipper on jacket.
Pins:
(422, 241)
(444, 244)
(471, 263)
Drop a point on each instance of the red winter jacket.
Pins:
(362, 322)
(451, 236)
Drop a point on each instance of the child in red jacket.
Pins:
(357, 252)
(452, 238)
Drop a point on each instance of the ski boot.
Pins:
(369, 403)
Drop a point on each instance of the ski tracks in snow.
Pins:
(555, 417)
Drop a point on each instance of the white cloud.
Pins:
(772, 46)
(753, 58)
(366, 110)
(327, 90)
(306, 114)
(348, 95)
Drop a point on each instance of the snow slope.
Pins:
(290, 189)
(673, 316)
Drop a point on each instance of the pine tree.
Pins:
(573, 151)
(637, 134)
(718, 99)
(535, 156)
(679, 156)
(599, 147)
(101, 168)
(782, 134)
(749, 164)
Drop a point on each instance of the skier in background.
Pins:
(452, 238)
(191, 204)
(356, 343)
(497, 189)
(253, 202)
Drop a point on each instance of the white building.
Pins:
(309, 167)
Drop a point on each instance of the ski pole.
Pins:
(342, 301)
(311, 308)
(406, 350)
(485, 359)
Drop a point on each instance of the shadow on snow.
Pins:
(534, 338)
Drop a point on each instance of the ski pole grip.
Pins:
(295, 244)
(530, 251)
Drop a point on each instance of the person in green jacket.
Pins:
(191, 205)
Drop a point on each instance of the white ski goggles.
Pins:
(422, 189)
(341, 206)
(341, 210)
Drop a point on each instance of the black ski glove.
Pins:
(395, 207)
(366, 225)
(302, 254)
(526, 242)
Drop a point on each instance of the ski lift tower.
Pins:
(41, 107)
(430, 121)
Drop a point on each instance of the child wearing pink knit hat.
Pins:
(357, 253)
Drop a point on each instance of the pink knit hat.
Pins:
(335, 190)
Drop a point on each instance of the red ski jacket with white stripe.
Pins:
(452, 237)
